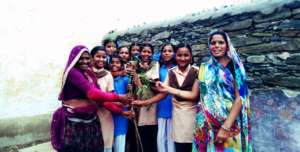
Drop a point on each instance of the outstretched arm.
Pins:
(189, 95)
(152, 100)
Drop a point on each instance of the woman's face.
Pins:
(84, 61)
(115, 64)
(218, 46)
(146, 54)
(183, 57)
(110, 48)
(124, 54)
(135, 50)
(99, 59)
(167, 53)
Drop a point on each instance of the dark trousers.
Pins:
(183, 147)
(132, 144)
(148, 136)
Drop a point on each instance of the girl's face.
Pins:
(115, 64)
(218, 46)
(124, 54)
(135, 50)
(167, 53)
(84, 61)
(146, 54)
(183, 57)
(99, 59)
(110, 48)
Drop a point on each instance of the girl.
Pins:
(75, 126)
(106, 83)
(147, 72)
(110, 48)
(134, 51)
(121, 123)
(182, 83)
(223, 115)
(164, 106)
(124, 54)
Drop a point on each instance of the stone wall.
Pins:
(269, 44)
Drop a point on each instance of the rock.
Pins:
(293, 59)
(123, 43)
(174, 42)
(284, 13)
(292, 82)
(244, 41)
(262, 48)
(203, 30)
(289, 24)
(297, 16)
(270, 47)
(289, 33)
(284, 55)
(296, 11)
(262, 34)
(162, 35)
(256, 59)
(262, 25)
(238, 25)
(199, 47)
(274, 60)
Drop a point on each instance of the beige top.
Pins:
(147, 115)
(180, 76)
(106, 84)
(184, 112)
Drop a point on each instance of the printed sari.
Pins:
(217, 96)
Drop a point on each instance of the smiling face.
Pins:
(124, 54)
(167, 53)
(99, 59)
(110, 48)
(135, 50)
(218, 46)
(115, 64)
(84, 61)
(146, 54)
(183, 57)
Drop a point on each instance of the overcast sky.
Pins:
(50, 28)
(37, 35)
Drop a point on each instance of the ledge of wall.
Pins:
(269, 42)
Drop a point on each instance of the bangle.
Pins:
(226, 129)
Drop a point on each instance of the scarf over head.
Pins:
(217, 98)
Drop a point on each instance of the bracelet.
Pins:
(226, 129)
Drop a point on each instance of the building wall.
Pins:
(269, 45)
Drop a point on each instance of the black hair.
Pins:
(133, 44)
(161, 51)
(124, 46)
(147, 45)
(185, 45)
(116, 55)
(106, 41)
(219, 32)
(96, 49)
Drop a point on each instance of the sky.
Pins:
(37, 35)
(46, 28)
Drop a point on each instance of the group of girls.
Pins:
(136, 103)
